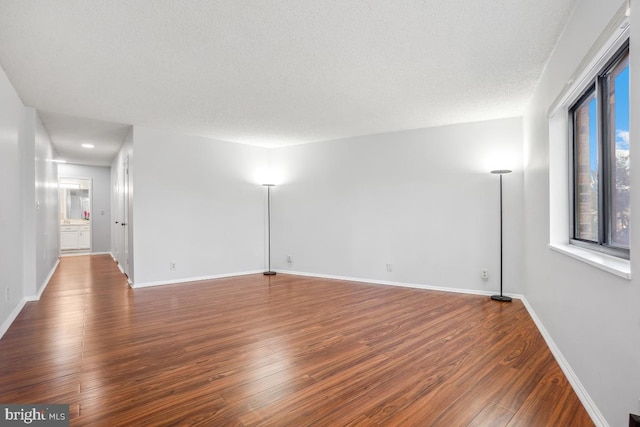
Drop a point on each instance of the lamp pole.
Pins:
(501, 297)
(269, 272)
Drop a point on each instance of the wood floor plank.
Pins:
(492, 415)
(282, 350)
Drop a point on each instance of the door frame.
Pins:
(71, 252)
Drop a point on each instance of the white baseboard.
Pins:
(192, 279)
(591, 408)
(12, 316)
(84, 254)
(595, 414)
(16, 311)
(400, 284)
(44, 284)
(129, 281)
(120, 268)
(75, 254)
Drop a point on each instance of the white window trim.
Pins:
(611, 39)
(614, 265)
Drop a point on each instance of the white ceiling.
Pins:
(68, 133)
(274, 72)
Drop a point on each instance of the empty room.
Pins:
(319, 213)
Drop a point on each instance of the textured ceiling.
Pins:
(277, 72)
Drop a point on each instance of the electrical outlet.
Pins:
(484, 273)
(8, 294)
(289, 259)
(389, 267)
(172, 265)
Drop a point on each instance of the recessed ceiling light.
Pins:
(88, 146)
(72, 185)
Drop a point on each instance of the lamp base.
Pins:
(269, 273)
(501, 298)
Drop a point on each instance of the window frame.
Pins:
(598, 87)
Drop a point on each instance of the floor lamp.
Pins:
(501, 297)
(269, 272)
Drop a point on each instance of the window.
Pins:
(600, 167)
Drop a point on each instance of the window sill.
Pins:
(619, 267)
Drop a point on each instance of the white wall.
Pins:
(100, 201)
(592, 315)
(46, 202)
(421, 200)
(28, 218)
(39, 209)
(198, 204)
(28, 209)
(11, 137)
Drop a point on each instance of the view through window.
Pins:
(601, 160)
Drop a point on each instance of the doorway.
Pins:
(75, 215)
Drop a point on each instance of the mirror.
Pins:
(76, 204)
(74, 199)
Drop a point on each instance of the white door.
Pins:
(125, 214)
(115, 213)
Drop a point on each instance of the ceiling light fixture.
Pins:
(70, 185)
(88, 146)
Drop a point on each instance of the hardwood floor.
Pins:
(279, 351)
